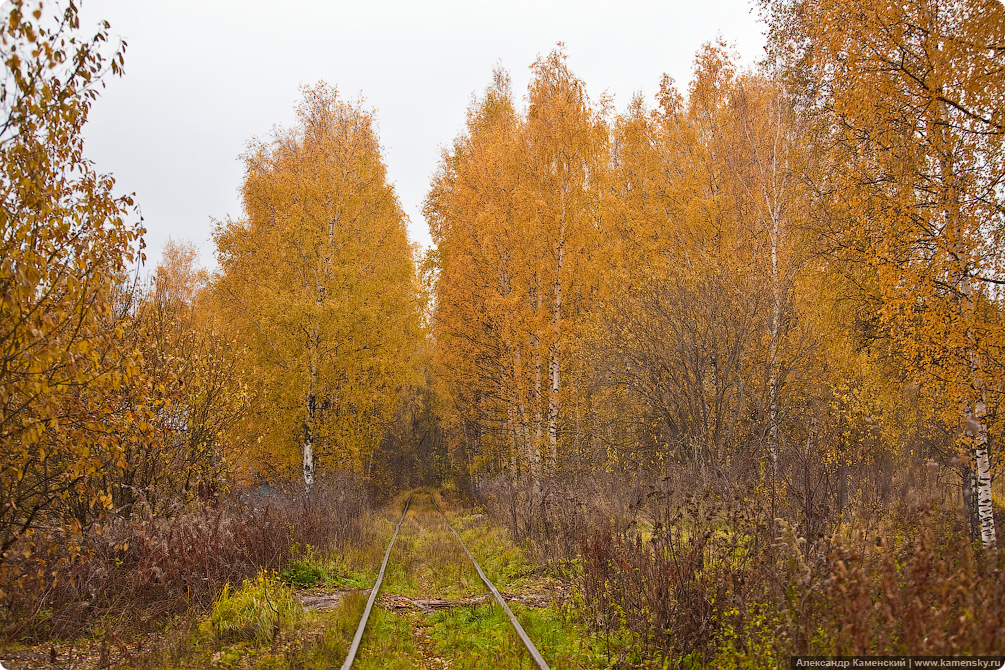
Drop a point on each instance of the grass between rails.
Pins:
(427, 562)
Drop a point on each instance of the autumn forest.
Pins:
(712, 380)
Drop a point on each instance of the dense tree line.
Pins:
(802, 257)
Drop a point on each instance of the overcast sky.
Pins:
(203, 77)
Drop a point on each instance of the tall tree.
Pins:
(566, 144)
(907, 96)
(320, 279)
(768, 144)
(514, 213)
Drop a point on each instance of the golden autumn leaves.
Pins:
(800, 260)
(64, 243)
(319, 283)
(909, 125)
(512, 212)
(615, 291)
(560, 240)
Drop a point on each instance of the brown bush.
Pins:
(669, 589)
(556, 522)
(698, 569)
(137, 571)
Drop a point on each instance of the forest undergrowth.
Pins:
(105, 593)
(697, 572)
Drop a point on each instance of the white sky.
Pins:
(203, 77)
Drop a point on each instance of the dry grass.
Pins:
(714, 567)
(136, 573)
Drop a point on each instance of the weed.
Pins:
(140, 571)
(304, 574)
(258, 612)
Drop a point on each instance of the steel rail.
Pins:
(534, 653)
(373, 592)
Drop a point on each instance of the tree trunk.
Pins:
(978, 478)
(985, 511)
(977, 431)
(523, 421)
(975, 426)
(309, 444)
(309, 428)
(969, 490)
(555, 363)
(776, 313)
(535, 447)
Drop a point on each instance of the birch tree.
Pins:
(907, 97)
(514, 213)
(767, 146)
(566, 145)
(319, 278)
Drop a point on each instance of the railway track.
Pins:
(360, 629)
(358, 637)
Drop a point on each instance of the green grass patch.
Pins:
(477, 638)
(303, 574)
(482, 638)
(389, 642)
(259, 611)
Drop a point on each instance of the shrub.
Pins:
(304, 574)
(922, 598)
(141, 570)
(671, 589)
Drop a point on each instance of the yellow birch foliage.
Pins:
(193, 387)
(64, 242)
(687, 334)
(514, 211)
(472, 219)
(907, 99)
(319, 283)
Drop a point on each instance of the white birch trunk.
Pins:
(975, 425)
(535, 447)
(985, 514)
(311, 399)
(309, 445)
(977, 430)
(773, 171)
(309, 425)
(555, 363)
(776, 313)
(523, 421)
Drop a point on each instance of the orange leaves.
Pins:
(65, 242)
(514, 211)
(905, 102)
(906, 98)
(319, 282)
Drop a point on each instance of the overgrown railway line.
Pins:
(358, 637)
(514, 622)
